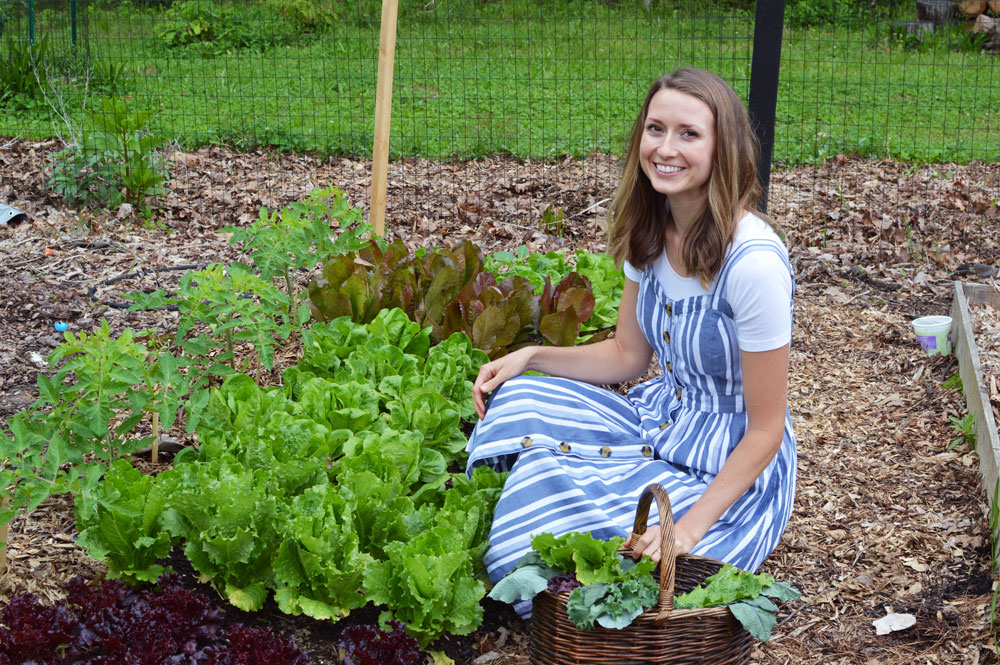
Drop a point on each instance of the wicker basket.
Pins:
(661, 635)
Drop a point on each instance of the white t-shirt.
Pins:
(759, 289)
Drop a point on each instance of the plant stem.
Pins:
(154, 458)
(229, 346)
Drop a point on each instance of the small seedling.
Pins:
(553, 221)
(966, 429)
(953, 382)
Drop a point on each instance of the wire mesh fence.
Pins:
(529, 79)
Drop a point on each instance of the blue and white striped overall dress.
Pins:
(580, 455)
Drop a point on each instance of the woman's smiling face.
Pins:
(678, 146)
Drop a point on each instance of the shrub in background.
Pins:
(117, 159)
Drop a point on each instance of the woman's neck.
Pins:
(684, 212)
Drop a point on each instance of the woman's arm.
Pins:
(765, 390)
(623, 357)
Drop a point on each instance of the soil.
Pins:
(888, 519)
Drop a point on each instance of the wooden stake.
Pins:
(4, 531)
(155, 447)
(383, 109)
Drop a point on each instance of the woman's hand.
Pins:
(495, 372)
(649, 542)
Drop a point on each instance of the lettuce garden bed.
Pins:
(885, 515)
(344, 484)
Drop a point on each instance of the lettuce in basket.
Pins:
(615, 590)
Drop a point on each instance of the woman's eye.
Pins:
(652, 127)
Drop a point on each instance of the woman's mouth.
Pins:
(662, 169)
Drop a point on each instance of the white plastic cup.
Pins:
(934, 334)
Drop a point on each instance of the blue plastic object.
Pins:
(9, 215)
(61, 327)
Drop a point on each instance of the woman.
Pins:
(708, 288)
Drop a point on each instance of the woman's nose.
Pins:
(666, 147)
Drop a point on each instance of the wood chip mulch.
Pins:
(887, 520)
(986, 328)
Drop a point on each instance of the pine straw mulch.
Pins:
(887, 519)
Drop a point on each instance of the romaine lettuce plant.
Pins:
(228, 521)
(449, 290)
(119, 524)
(606, 279)
(318, 565)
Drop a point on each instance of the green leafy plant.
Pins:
(190, 21)
(606, 280)
(749, 597)
(220, 27)
(953, 382)
(965, 427)
(300, 236)
(115, 159)
(429, 584)
(314, 16)
(102, 388)
(220, 306)
(227, 520)
(612, 590)
(122, 136)
(449, 291)
(552, 221)
(533, 266)
(109, 76)
(23, 74)
(118, 523)
(83, 179)
(319, 566)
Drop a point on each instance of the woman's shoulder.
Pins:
(757, 255)
(753, 228)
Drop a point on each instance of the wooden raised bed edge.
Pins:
(977, 400)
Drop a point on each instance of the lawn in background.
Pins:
(539, 79)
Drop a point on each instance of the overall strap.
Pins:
(738, 253)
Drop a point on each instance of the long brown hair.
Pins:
(638, 216)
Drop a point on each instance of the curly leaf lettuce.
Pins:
(318, 567)
(428, 584)
(227, 518)
(591, 560)
(745, 594)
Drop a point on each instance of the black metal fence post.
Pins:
(768, 26)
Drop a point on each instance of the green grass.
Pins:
(533, 78)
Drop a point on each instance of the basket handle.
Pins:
(668, 560)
